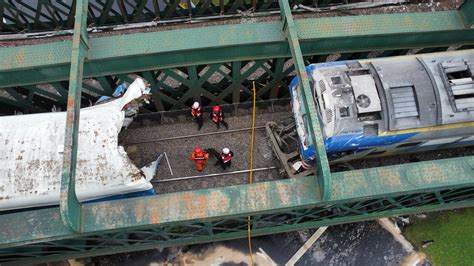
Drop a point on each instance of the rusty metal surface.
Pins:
(238, 201)
(165, 49)
(124, 54)
(323, 174)
(46, 15)
(403, 177)
(46, 224)
(69, 204)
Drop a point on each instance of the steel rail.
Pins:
(194, 135)
(215, 174)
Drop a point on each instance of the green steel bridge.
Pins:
(234, 39)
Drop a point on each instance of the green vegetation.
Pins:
(452, 233)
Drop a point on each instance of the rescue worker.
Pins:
(225, 159)
(218, 117)
(200, 158)
(197, 114)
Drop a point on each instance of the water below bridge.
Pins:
(365, 243)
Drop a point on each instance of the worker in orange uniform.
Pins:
(197, 114)
(217, 116)
(225, 158)
(200, 158)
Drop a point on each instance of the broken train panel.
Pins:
(31, 155)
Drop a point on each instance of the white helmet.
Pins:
(226, 150)
(195, 105)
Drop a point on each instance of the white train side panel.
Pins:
(31, 156)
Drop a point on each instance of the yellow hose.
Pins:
(249, 237)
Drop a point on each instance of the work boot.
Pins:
(225, 125)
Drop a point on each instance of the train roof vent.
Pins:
(365, 94)
(404, 101)
(460, 84)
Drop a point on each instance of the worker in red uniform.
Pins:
(197, 114)
(217, 116)
(225, 159)
(200, 158)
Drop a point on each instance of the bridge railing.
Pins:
(218, 213)
(47, 15)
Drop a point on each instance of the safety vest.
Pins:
(196, 112)
(226, 157)
(217, 116)
(199, 156)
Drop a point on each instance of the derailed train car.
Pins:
(31, 155)
(386, 106)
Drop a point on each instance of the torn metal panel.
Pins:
(31, 155)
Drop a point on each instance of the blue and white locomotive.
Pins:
(387, 106)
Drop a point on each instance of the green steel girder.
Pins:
(28, 65)
(467, 12)
(45, 97)
(165, 98)
(224, 83)
(220, 213)
(50, 15)
(237, 201)
(315, 129)
(213, 214)
(69, 204)
(137, 240)
(228, 83)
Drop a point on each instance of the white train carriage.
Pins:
(31, 156)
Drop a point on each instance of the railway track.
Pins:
(192, 135)
(178, 140)
(215, 175)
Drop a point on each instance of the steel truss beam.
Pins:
(51, 15)
(69, 204)
(34, 64)
(289, 28)
(212, 214)
(222, 83)
(267, 53)
(467, 11)
(217, 214)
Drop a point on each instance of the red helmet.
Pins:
(197, 149)
(216, 108)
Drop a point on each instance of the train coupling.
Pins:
(285, 145)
